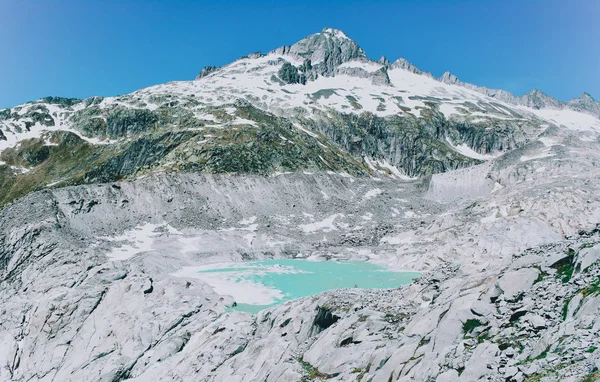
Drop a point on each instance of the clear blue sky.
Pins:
(80, 48)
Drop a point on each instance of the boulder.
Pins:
(514, 282)
(536, 321)
(481, 362)
(206, 71)
(587, 257)
(447, 376)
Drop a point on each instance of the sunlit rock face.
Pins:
(116, 210)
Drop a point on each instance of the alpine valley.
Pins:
(112, 207)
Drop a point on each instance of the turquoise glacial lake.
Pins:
(257, 285)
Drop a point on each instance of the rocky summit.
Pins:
(114, 209)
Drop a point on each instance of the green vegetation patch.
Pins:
(541, 275)
(591, 349)
(311, 373)
(565, 267)
(470, 324)
(592, 289)
(592, 377)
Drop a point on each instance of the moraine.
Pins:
(310, 149)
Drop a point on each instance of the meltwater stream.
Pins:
(257, 285)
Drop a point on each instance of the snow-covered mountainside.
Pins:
(318, 105)
(310, 151)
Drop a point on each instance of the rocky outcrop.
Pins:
(29, 153)
(450, 79)
(585, 103)
(417, 146)
(402, 63)
(384, 61)
(206, 71)
(379, 76)
(63, 101)
(326, 51)
(125, 122)
(324, 319)
(408, 144)
(504, 137)
(27, 118)
(291, 75)
(501, 95)
(537, 100)
(141, 153)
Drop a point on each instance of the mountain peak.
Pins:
(206, 71)
(337, 33)
(537, 100)
(585, 102)
(449, 78)
(403, 63)
(325, 50)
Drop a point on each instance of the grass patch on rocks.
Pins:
(565, 267)
(592, 289)
(312, 373)
(470, 325)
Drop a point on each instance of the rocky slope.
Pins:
(305, 152)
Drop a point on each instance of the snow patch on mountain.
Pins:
(368, 66)
(469, 152)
